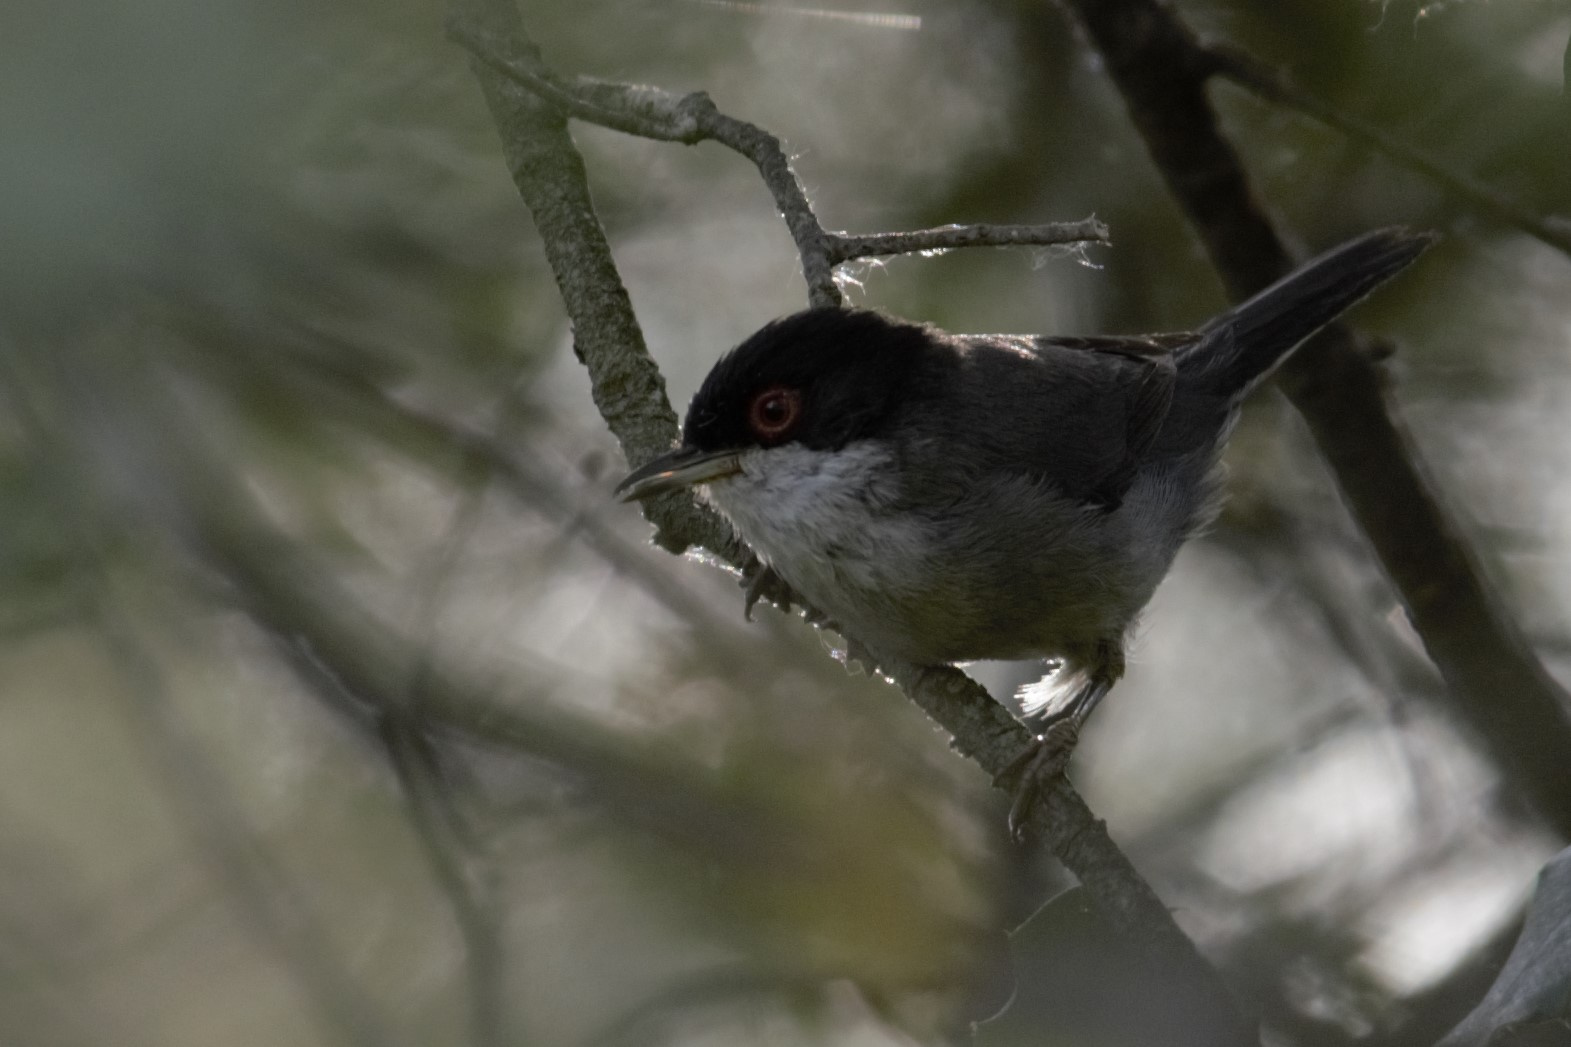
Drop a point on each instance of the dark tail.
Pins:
(1239, 349)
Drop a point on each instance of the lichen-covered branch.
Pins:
(548, 170)
(666, 116)
(628, 389)
(848, 246)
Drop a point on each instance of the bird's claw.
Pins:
(1037, 766)
(760, 582)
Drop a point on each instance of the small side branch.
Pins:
(847, 247)
(666, 116)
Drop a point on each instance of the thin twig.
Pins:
(847, 246)
(283, 919)
(1249, 72)
(439, 829)
(666, 116)
(812, 242)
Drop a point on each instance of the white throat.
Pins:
(826, 521)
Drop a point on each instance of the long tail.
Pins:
(1238, 349)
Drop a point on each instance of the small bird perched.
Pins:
(946, 498)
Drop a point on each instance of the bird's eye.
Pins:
(774, 413)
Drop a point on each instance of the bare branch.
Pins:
(985, 732)
(648, 112)
(628, 389)
(666, 116)
(847, 247)
(663, 116)
(812, 243)
(195, 786)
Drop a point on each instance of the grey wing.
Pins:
(1079, 413)
(1146, 375)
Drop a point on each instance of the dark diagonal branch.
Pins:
(1502, 690)
(548, 171)
(1256, 76)
(401, 727)
(283, 918)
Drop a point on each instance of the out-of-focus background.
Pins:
(340, 703)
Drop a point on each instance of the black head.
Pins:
(822, 378)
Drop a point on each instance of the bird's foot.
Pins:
(760, 582)
(1036, 768)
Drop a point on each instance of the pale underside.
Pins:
(1000, 567)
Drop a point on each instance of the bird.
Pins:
(951, 498)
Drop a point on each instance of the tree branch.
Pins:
(848, 246)
(1249, 72)
(547, 169)
(1501, 689)
(284, 920)
(665, 116)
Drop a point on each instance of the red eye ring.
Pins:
(774, 412)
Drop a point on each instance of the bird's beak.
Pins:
(683, 467)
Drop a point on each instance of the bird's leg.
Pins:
(1057, 734)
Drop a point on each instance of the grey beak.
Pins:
(683, 467)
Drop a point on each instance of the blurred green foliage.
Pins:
(339, 703)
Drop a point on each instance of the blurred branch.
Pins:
(665, 116)
(1502, 690)
(366, 672)
(476, 455)
(1249, 72)
(438, 827)
(278, 913)
(349, 656)
(547, 169)
(281, 917)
